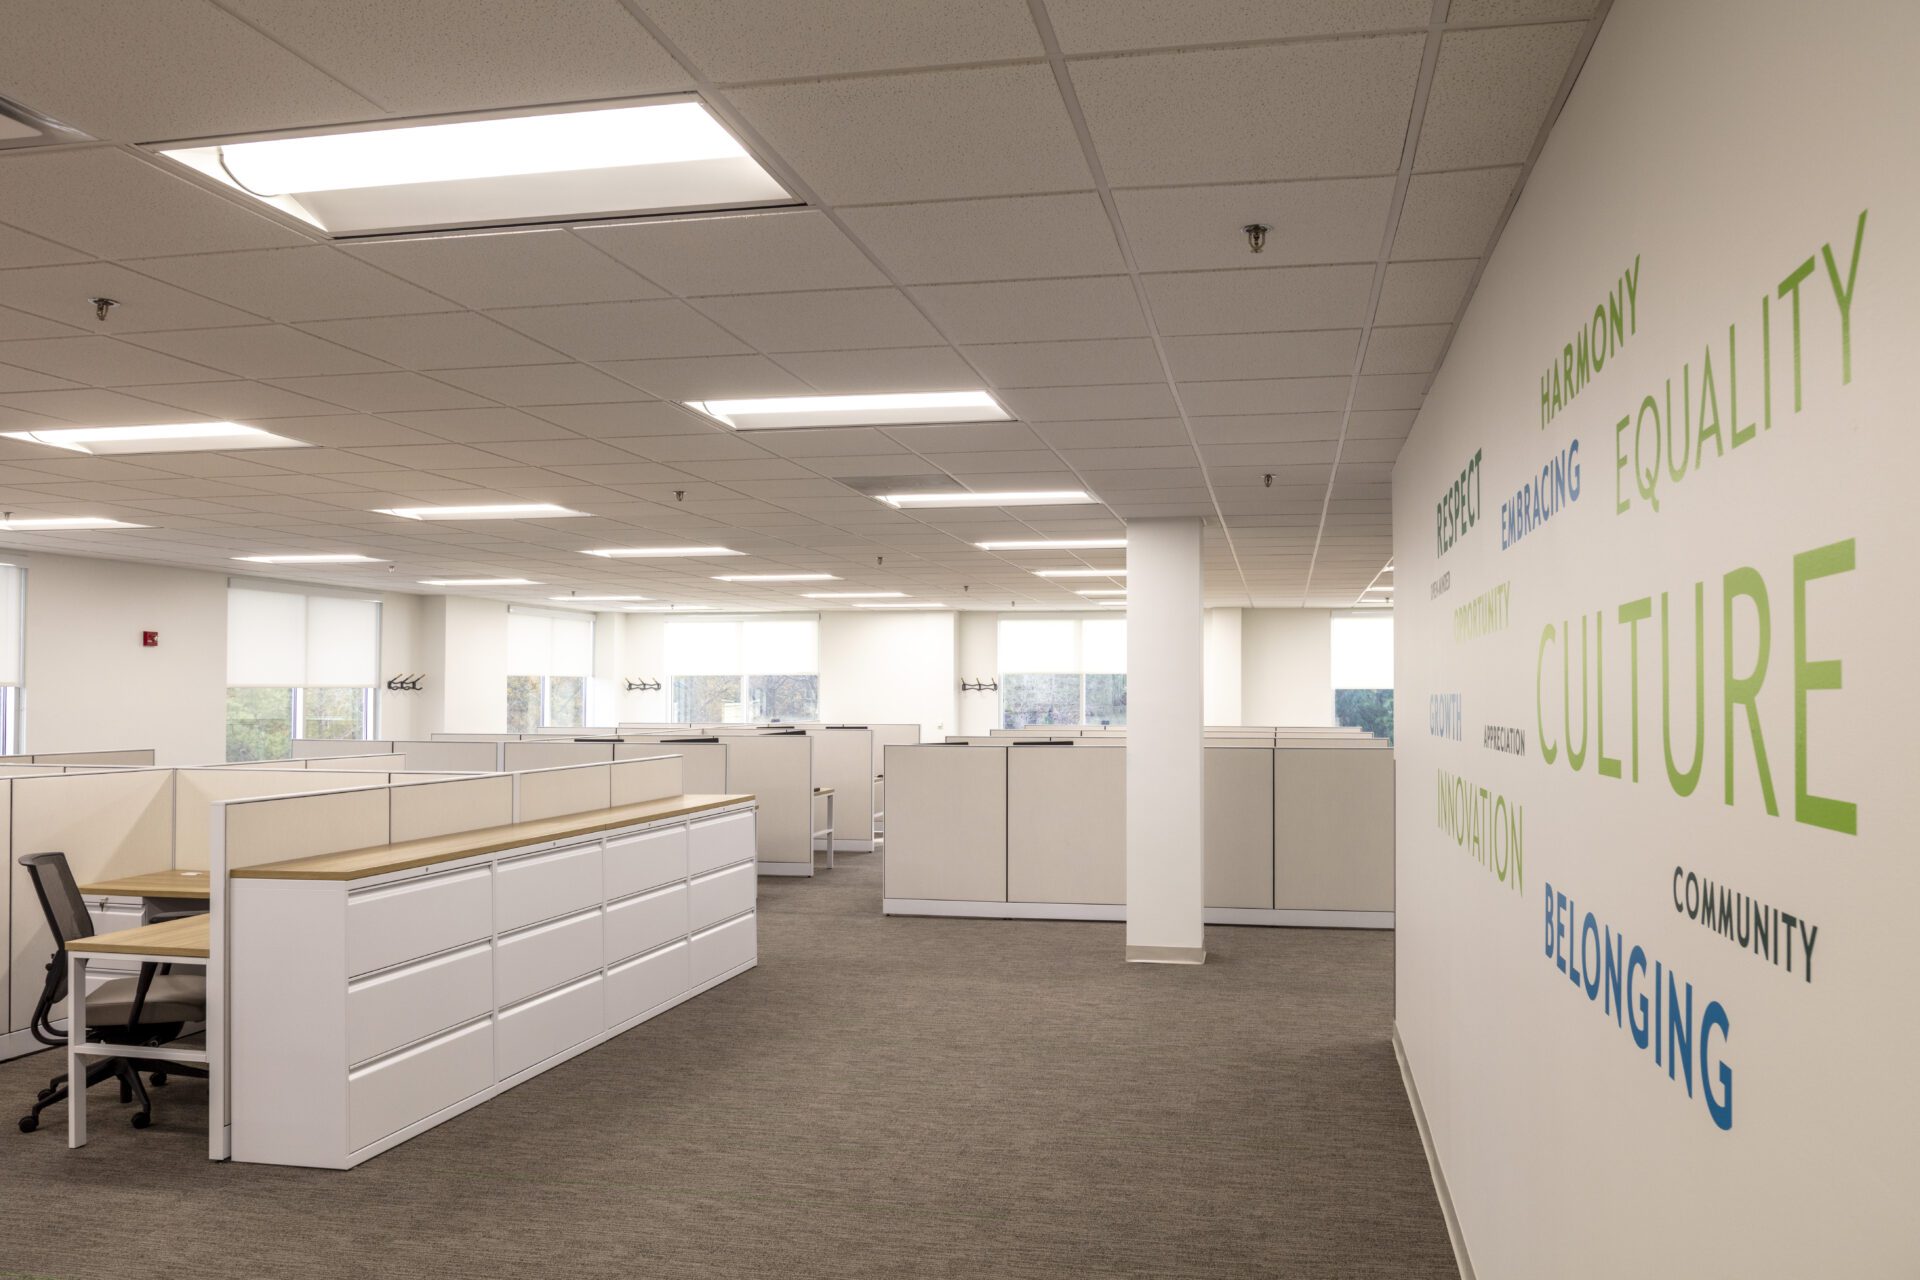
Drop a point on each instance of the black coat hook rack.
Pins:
(406, 684)
(979, 686)
(643, 686)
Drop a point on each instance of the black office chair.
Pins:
(149, 1010)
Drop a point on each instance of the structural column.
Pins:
(1166, 789)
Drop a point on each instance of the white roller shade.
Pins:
(529, 644)
(785, 648)
(12, 594)
(1103, 647)
(572, 647)
(281, 639)
(1033, 646)
(703, 648)
(343, 642)
(1363, 653)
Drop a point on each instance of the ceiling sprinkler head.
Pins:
(103, 305)
(1256, 235)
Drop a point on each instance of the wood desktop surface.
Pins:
(153, 884)
(186, 938)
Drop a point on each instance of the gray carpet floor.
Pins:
(880, 1097)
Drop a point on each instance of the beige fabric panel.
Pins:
(1352, 742)
(1333, 830)
(443, 807)
(778, 771)
(516, 757)
(308, 748)
(946, 823)
(647, 778)
(703, 765)
(143, 756)
(195, 791)
(1238, 867)
(549, 793)
(1066, 824)
(386, 763)
(843, 760)
(450, 757)
(283, 827)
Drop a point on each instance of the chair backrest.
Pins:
(65, 909)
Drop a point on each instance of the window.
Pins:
(742, 669)
(298, 666)
(1063, 671)
(549, 660)
(1363, 673)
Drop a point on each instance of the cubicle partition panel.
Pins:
(548, 793)
(548, 754)
(777, 769)
(384, 763)
(450, 757)
(947, 828)
(843, 760)
(435, 807)
(703, 764)
(142, 757)
(1066, 827)
(305, 748)
(1238, 871)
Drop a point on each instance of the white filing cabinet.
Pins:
(364, 1012)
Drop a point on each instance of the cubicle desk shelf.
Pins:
(377, 993)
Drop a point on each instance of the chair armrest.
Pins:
(159, 917)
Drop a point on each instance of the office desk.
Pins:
(825, 793)
(184, 941)
(167, 885)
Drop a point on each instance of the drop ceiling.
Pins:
(1040, 197)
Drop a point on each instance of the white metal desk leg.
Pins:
(76, 1064)
(830, 831)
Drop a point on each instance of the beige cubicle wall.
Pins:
(133, 756)
(423, 755)
(1297, 833)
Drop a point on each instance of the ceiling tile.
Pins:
(1491, 93)
(728, 41)
(833, 442)
(1391, 424)
(1035, 310)
(1202, 228)
(649, 419)
(259, 351)
(378, 392)
(508, 269)
(1304, 354)
(1011, 238)
(1333, 108)
(1275, 395)
(1464, 11)
(707, 377)
(1105, 26)
(1424, 292)
(445, 340)
(18, 324)
(624, 330)
(883, 369)
(18, 249)
(833, 320)
(1452, 215)
(233, 401)
(937, 135)
(1063, 404)
(741, 253)
(85, 198)
(137, 72)
(1394, 391)
(981, 437)
(62, 293)
(1134, 433)
(12, 379)
(542, 384)
(458, 55)
(473, 426)
(1266, 428)
(103, 362)
(88, 406)
(314, 283)
(1266, 299)
(1405, 349)
(1087, 362)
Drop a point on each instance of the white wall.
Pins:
(1719, 154)
(977, 658)
(1286, 666)
(643, 658)
(890, 666)
(400, 655)
(89, 682)
(1222, 666)
(467, 640)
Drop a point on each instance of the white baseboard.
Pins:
(18, 1044)
(784, 868)
(853, 846)
(1454, 1235)
(1117, 912)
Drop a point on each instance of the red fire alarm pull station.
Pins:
(149, 639)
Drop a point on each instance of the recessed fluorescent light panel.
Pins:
(559, 164)
(164, 437)
(54, 523)
(776, 577)
(322, 559)
(637, 553)
(478, 582)
(1054, 544)
(1080, 573)
(1115, 591)
(501, 511)
(588, 599)
(665, 608)
(1034, 498)
(853, 595)
(910, 604)
(914, 408)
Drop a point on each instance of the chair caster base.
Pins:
(29, 1123)
(142, 1120)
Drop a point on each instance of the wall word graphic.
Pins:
(1441, 585)
(1459, 508)
(1768, 932)
(1485, 825)
(1615, 319)
(1542, 497)
(1504, 739)
(1595, 958)
(1443, 715)
(1654, 428)
(1485, 614)
(1743, 595)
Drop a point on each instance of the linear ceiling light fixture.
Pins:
(1080, 573)
(1103, 591)
(899, 409)
(664, 608)
(853, 595)
(1029, 498)
(478, 582)
(497, 511)
(163, 437)
(38, 524)
(584, 599)
(776, 577)
(648, 552)
(342, 558)
(558, 164)
(910, 604)
(1054, 544)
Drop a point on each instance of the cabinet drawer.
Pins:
(399, 1006)
(723, 947)
(721, 894)
(419, 917)
(716, 842)
(390, 1094)
(540, 886)
(645, 982)
(111, 917)
(534, 1031)
(643, 922)
(646, 861)
(548, 955)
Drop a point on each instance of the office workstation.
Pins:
(820, 637)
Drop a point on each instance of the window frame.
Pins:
(1079, 622)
